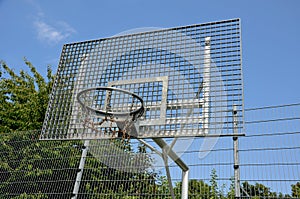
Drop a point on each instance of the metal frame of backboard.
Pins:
(194, 79)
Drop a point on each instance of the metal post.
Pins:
(236, 153)
(80, 169)
(165, 158)
(185, 184)
(206, 84)
(185, 169)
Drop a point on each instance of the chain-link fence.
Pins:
(269, 164)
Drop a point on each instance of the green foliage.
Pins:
(214, 184)
(100, 180)
(198, 189)
(31, 196)
(33, 166)
(51, 166)
(28, 165)
(256, 191)
(296, 190)
(162, 187)
(231, 192)
(23, 98)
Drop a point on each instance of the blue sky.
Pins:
(270, 34)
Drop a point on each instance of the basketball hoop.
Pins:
(111, 111)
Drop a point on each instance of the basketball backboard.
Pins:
(189, 78)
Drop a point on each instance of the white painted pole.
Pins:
(80, 169)
(185, 169)
(165, 158)
(206, 85)
(75, 122)
(185, 184)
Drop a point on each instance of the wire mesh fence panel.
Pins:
(269, 163)
(30, 168)
(270, 153)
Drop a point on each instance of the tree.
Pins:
(214, 184)
(296, 190)
(28, 166)
(231, 192)
(256, 191)
(118, 171)
(23, 97)
(198, 189)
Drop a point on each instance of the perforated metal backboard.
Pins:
(190, 78)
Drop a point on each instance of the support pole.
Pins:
(236, 154)
(162, 144)
(165, 158)
(206, 84)
(185, 184)
(185, 170)
(80, 169)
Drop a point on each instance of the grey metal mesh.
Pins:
(189, 78)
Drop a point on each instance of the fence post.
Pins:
(80, 169)
(236, 153)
